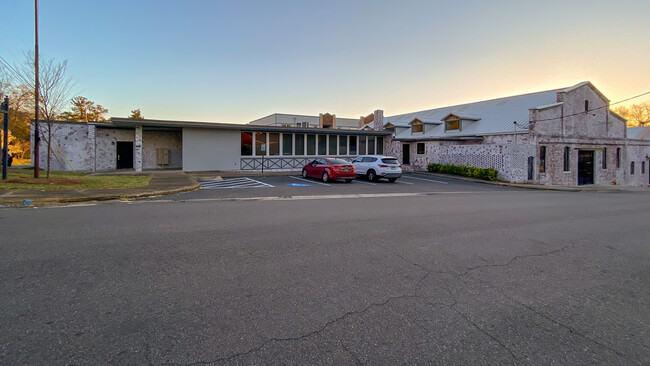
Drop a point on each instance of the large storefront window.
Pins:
(260, 143)
(287, 144)
(380, 145)
(333, 144)
(343, 145)
(300, 144)
(353, 145)
(274, 144)
(371, 145)
(246, 143)
(322, 145)
(311, 144)
(362, 145)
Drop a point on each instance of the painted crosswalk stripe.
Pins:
(233, 183)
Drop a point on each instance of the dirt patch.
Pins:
(51, 181)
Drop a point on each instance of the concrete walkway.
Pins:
(162, 182)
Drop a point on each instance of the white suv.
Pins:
(378, 166)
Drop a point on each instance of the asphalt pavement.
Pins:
(475, 276)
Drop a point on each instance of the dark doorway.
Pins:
(531, 163)
(124, 155)
(585, 167)
(406, 154)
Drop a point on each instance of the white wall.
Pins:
(207, 149)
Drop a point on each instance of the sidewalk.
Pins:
(163, 182)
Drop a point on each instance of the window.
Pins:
(380, 145)
(416, 127)
(300, 144)
(343, 145)
(420, 147)
(643, 167)
(542, 159)
(333, 144)
(274, 144)
(322, 145)
(453, 124)
(353, 145)
(371, 145)
(311, 144)
(618, 157)
(362, 145)
(260, 143)
(567, 154)
(586, 106)
(604, 158)
(287, 144)
(246, 143)
(632, 168)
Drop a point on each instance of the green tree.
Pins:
(84, 110)
(136, 114)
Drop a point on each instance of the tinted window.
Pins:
(300, 144)
(311, 144)
(369, 160)
(287, 144)
(322, 145)
(333, 143)
(338, 162)
(274, 144)
(247, 143)
(389, 161)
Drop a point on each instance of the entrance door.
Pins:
(406, 154)
(585, 167)
(124, 155)
(531, 162)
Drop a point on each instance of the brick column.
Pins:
(138, 148)
(92, 147)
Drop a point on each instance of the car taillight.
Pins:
(383, 166)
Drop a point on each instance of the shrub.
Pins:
(467, 171)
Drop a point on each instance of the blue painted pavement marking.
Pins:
(299, 184)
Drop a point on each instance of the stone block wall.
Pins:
(70, 147)
(106, 146)
(171, 140)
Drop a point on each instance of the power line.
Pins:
(591, 110)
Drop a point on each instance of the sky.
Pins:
(236, 61)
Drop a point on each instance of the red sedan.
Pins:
(330, 168)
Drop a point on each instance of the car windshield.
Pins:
(390, 161)
(338, 162)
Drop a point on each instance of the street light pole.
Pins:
(37, 133)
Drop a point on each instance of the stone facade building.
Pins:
(564, 136)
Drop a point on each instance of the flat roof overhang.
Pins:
(152, 123)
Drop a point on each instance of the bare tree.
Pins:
(636, 114)
(54, 89)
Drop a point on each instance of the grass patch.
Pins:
(24, 179)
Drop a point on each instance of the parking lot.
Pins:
(293, 184)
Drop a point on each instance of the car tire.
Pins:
(325, 177)
(348, 181)
(392, 180)
(304, 173)
(371, 175)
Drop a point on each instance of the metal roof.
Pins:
(496, 116)
(638, 132)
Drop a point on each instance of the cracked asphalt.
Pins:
(500, 277)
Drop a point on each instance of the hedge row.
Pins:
(468, 171)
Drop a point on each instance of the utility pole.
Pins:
(37, 133)
(5, 137)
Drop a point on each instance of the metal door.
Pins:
(406, 154)
(585, 167)
(124, 155)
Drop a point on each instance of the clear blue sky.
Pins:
(234, 61)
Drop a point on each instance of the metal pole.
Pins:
(5, 136)
(37, 133)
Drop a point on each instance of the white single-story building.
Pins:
(566, 136)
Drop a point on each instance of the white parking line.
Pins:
(234, 183)
(360, 181)
(310, 181)
(397, 181)
(428, 180)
